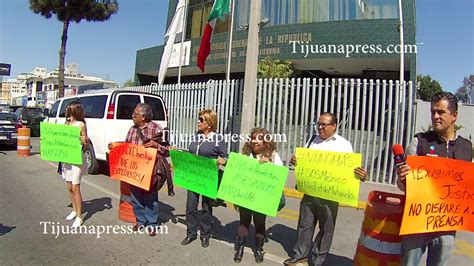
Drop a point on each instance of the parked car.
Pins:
(4, 108)
(108, 118)
(31, 117)
(13, 108)
(9, 129)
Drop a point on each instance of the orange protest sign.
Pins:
(132, 164)
(439, 196)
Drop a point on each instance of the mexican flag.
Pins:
(219, 9)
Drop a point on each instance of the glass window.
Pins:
(54, 109)
(198, 11)
(8, 117)
(157, 107)
(36, 112)
(126, 106)
(62, 111)
(94, 106)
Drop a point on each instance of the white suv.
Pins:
(108, 118)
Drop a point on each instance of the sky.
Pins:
(108, 49)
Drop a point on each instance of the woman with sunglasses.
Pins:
(263, 148)
(206, 143)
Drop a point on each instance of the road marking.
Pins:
(248, 250)
(464, 248)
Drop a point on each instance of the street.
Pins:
(33, 200)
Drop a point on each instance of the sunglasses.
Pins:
(201, 119)
(323, 125)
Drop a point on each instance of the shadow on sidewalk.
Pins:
(337, 260)
(5, 229)
(166, 213)
(91, 207)
(284, 235)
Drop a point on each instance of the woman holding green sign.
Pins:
(263, 148)
(206, 143)
(73, 173)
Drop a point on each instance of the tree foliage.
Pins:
(75, 11)
(270, 68)
(462, 93)
(129, 83)
(428, 88)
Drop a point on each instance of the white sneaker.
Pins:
(77, 222)
(71, 216)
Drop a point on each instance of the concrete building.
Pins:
(323, 39)
(42, 86)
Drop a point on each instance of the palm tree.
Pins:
(72, 10)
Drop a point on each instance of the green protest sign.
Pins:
(60, 143)
(328, 175)
(195, 173)
(250, 184)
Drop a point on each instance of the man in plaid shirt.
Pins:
(145, 203)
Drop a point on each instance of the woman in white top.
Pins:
(263, 148)
(71, 172)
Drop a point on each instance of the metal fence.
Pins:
(373, 114)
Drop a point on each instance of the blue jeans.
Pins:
(145, 206)
(439, 246)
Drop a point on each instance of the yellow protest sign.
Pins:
(328, 175)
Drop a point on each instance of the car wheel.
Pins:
(91, 162)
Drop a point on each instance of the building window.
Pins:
(281, 12)
(198, 11)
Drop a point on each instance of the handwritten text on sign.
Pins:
(328, 175)
(60, 143)
(250, 184)
(132, 164)
(439, 195)
(195, 173)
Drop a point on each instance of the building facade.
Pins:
(43, 89)
(323, 39)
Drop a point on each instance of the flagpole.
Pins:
(229, 56)
(183, 34)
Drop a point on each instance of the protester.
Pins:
(263, 148)
(73, 173)
(442, 141)
(145, 203)
(205, 143)
(315, 210)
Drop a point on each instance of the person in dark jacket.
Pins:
(206, 143)
(442, 141)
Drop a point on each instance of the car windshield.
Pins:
(8, 117)
(32, 112)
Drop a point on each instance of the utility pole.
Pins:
(251, 62)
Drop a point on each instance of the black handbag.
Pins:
(163, 169)
(282, 203)
(60, 168)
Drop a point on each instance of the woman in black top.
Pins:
(206, 143)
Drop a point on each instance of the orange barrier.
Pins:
(379, 241)
(125, 206)
(23, 142)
